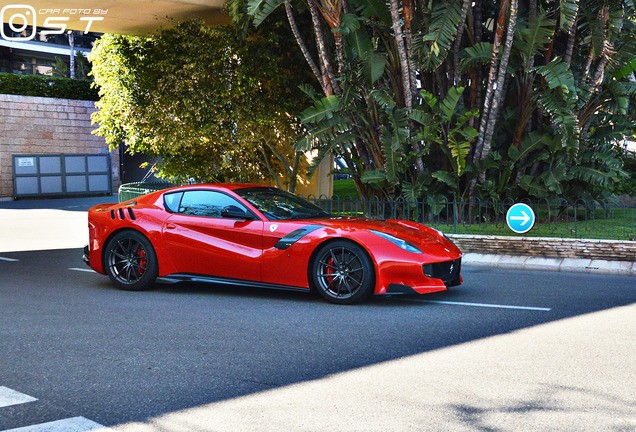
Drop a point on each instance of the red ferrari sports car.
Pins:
(253, 235)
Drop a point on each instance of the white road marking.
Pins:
(82, 269)
(9, 259)
(73, 424)
(10, 397)
(484, 305)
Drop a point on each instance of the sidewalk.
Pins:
(578, 265)
(47, 224)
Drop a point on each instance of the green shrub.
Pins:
(35, 85)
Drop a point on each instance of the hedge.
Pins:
(36, 85)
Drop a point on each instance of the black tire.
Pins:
(130, 261)
(343, 273)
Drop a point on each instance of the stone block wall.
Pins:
(611, 250)
(38, 125)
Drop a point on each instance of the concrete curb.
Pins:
(578, 265)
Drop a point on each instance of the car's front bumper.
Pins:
(425, 279)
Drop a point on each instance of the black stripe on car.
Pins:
(295, 235)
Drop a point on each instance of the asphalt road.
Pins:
(508, 350)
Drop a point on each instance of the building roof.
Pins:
(119, 16)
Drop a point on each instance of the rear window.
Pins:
(171, 201)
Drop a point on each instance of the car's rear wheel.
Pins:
(130, 261)
(343, 273)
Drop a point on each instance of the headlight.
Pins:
(398, 242)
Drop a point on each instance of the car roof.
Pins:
(227, 186)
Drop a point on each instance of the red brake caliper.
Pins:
(143, 261)
(329, 270)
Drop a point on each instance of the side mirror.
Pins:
(233, 212)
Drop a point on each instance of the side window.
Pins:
(206, 203)
(171, 201)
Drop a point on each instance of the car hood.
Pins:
(414, 233)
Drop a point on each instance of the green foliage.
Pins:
(566, 102)
(441, 33)
(445, 124)
(35, 85)
(60, 68)
(535, 37)
(212, 105)
(476, 56)
(567, 13)
(557, 75)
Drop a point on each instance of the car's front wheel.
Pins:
(130, 261)
(343, 273)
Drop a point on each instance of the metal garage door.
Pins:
(61, 174)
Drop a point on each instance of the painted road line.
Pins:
(74, 424)
(10, 397)
(483, 305)
(82, 269)
(9, 259)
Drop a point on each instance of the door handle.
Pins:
(170, 226)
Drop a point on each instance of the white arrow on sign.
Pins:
(525, 218)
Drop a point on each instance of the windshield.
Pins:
(276, 204)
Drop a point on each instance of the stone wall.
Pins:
(38, 125)
(612, 250)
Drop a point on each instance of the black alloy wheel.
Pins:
(130, 261)
(343, 273)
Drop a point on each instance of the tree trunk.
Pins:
(492, 74)
(501, 76)
(328, 77)
(405, 69)
(407, 8)
(476, 77)
(532, 9)
(401, 49)
(303, 46)
(71, 43)
(269, 166)
(339, 53)
(458, 41)
(294, 176)
(571, 38)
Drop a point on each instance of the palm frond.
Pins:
(373, 65)
(568, 10)
(535, 37)
(529, 143)
(557, 74)
(434, 45)
(448, 106)
(563, 117)
(447, 178)
(393, 161)
(261, 9)
(322, 109)
(376, 176)
(374, 9)
(475, 56)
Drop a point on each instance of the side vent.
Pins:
(132, 215)
(121, 214)
(112, 214)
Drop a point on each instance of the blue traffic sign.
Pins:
(520, 218)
